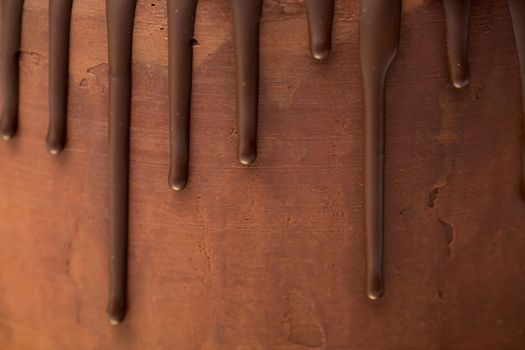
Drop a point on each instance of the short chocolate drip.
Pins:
(320, 20)
(246, 17)
(11, 37)
(458, 21)
(517, 11)
(379, 41)
(59, 25)
(181, 22)
(120, 17)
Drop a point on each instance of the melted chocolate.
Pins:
(379, 41)
(181, 22)
(517, 11)
(120, 17)
(11, 35)
(59, 24)
(320, 19)
(246, 17)
(458, 20)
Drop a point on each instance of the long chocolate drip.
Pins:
(246, 17)
(181, 22)
(120, 17)
(11, 37)
(458, 21)
(379, 41)
(59, 25)
(517, 11)
(320, 20)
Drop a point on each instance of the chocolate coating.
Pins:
(320, 20)
(517, 11)
(246, 17)
(11, 35)
(181, 22)
(59, 27)
(379, 41)
(120, 17)
(458, 21)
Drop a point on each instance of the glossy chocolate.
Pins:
(458, 20)
(11, 35)
(379, 41)
(59, 24)
(517, 11)
(181, 22)
(320, 20)
(246, 17)
(120, 17)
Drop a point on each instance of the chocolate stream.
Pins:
(379, 41)
(11, 37)
(457, 14)
(320, 15)
(181, 23)
(59, 28)
(120, 17)
(246, 18)
(517, 11)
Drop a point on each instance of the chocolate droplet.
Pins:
(59, 26)
(379, 41)
(120, 17)
(246, 17)
(11, 35)
(181, 22)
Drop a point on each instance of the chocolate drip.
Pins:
(379, 41)
(181, 22)
(517, 11)
(59, 24)
(320, 19)
(246, 17)
(11, 35)
(458, 21)
(120, 17)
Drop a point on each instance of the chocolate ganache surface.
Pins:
(164, 50)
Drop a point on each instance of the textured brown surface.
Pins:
(272, 256)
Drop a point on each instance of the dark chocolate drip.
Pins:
(11, 35)
(59, 24)
(120, 16)
(379, 41)
(181, 22)
(246, 17)
(320, 19)
(458, 20)
(517, 11)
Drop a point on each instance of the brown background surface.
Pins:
(271, 256)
